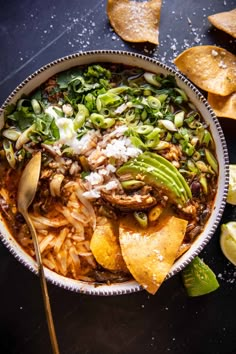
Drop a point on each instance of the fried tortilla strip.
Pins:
(225, 21)
(149, 254)
(135, 21)
(106, 248)
(184, 247)
(223, 106)
(211, 68)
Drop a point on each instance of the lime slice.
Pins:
(231, 197)
(228, 241)
(198, 278)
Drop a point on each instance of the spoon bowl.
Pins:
(28, 184)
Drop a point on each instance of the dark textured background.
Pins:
(33, 33)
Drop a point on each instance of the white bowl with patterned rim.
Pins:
(151, 65)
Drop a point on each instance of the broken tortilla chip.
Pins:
(225, 21)
(211, 68)
(149, 255)
(135, 21)
(106, 248)
(223, 106)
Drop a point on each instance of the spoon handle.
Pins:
(44, 288)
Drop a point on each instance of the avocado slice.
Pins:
(172, 176)
(160, 162)
(154, 177)
(156, 171)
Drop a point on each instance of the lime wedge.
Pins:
(198, 278)
(231, 197)
(228, 241)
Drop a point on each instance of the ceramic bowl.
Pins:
(152, 65)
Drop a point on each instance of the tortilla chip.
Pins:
(106, 248)
(135, 21)
(211, 68)
(225, 21)
(150, 254)
(184, 247)
(223, 106)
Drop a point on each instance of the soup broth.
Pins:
(118, 145)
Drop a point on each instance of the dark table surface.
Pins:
(33, 33)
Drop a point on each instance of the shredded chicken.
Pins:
(135, 201)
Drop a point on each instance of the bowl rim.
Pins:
(131, 286)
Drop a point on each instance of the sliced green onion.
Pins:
(192, 167)
(144, 115)
(98, 104)
(154, 213)
(157, 115)
(108, 123)
(194, 140)
(153, 102)
(179, 119)
(137, 142)
(8, 148)
(177, 136)
(152, 143)
(107, 99)
(154, 133)
(24, 138)
(36, 106)
(203, 182)
(178, 100)
(78, 121)
(187, 148)
(130, 115)
(151, 79)
(81, 116)
(168, 124)
(192, 120)
(162, 97)
(182, 94)
(168, 136)
(185, 134)
(196, 156)
(207, 138)
(162, 145)
(83, 110)
(97, 119)
(77, 83)
(211, 160)
(24, 102)
(106, 112)
(132, 184)
(142, 218)
(147, 92)
(144, 129)
(90, 102)
(200, 135)
(202, 166)
(11, 134)
(58, 111)
(189, 119)
(118, 90)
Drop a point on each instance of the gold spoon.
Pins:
(26, 193)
